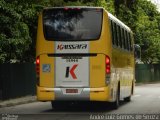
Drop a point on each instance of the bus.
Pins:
(83, 54)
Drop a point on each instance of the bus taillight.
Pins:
(37, 65)
(108, 70)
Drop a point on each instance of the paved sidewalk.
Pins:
(17, 101)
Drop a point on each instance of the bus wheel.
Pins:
(115, 104)
(58, 104)
(127, 99)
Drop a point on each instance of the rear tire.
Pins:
(58, 104)
(115, 104)
(127, 99)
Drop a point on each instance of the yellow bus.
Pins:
(83, 54)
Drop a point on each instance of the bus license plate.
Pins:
(71, 90)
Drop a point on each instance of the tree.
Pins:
(14, 32)
(143, 18)
(18, 23)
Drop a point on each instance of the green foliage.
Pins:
(14, 32)
(143, 18)
(18, 23)
(148, 30)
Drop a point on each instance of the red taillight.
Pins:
(108, 70)
(66, 8)
(71, 8)
(37, 65)
(37, 61)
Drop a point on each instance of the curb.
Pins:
(146, 83)
(17, 101)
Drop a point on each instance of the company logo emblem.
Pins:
(60, 47)
(71, 47)
(71, 71)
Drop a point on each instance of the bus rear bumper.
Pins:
(45, 95)
(85, 94)
(99, 94)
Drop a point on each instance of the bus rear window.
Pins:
(72, 24)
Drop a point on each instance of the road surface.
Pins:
(146, 100)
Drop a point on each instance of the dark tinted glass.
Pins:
(112, 30)
(72, 23)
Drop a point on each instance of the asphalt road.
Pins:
(146, 100)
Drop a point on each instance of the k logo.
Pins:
(71, 71)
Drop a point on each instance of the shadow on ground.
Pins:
(83, 107)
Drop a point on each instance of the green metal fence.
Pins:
(17, 80)
(146, 73)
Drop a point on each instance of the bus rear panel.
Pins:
(72, 67)
(74, 55)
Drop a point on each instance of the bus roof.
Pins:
(118, 21)
(73, 7)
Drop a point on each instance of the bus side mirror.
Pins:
(137, 53)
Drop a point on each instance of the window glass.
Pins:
(72, 23)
